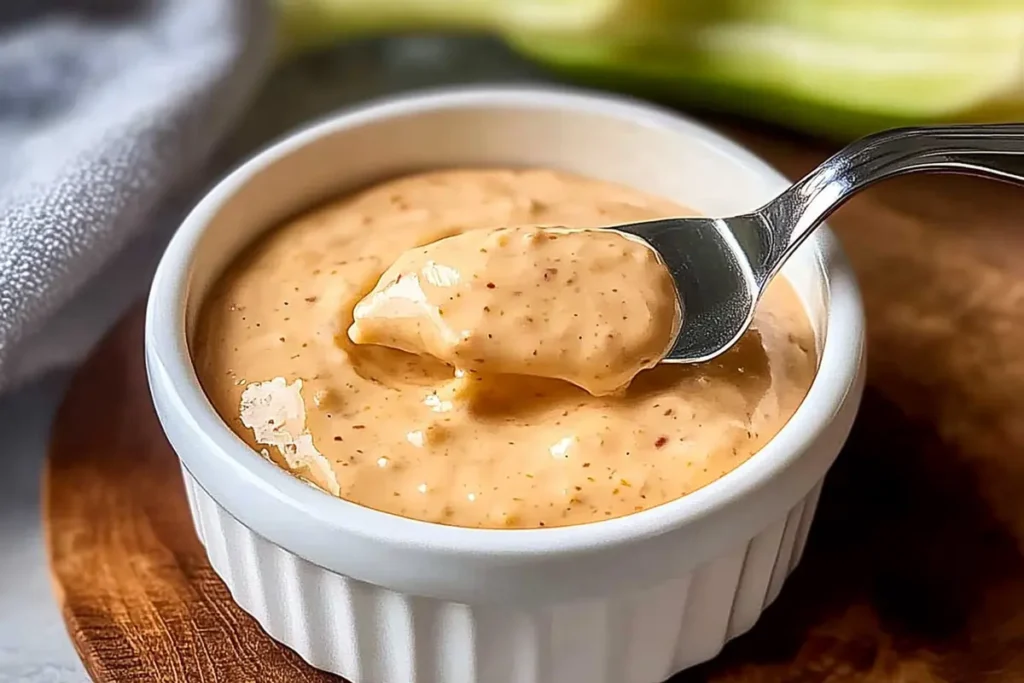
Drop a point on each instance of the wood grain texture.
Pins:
(913, 572)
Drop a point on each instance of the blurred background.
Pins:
(838, 68)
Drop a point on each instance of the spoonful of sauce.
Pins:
(596, 307)
(591, 307)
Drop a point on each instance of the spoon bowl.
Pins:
(721, 266)
(715, 283)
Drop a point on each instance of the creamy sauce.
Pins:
(402, 433)
(589, 307)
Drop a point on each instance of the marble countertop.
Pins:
(34, 646)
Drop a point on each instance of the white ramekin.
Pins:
(383, 599)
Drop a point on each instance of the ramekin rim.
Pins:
(166, 345)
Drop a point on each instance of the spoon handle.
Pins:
(992, 150)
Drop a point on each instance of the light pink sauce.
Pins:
(402, 433)
(591, 307)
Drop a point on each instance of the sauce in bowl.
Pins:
(409, 434)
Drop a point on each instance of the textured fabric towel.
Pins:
(106, 106)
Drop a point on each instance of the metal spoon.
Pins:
(721, 266)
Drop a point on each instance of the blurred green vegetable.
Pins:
(839, 68)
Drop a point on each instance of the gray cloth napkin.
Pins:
(106, 107)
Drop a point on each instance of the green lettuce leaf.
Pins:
(838, 68)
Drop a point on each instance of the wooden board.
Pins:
(914, 570)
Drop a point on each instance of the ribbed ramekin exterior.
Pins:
(369, 634)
